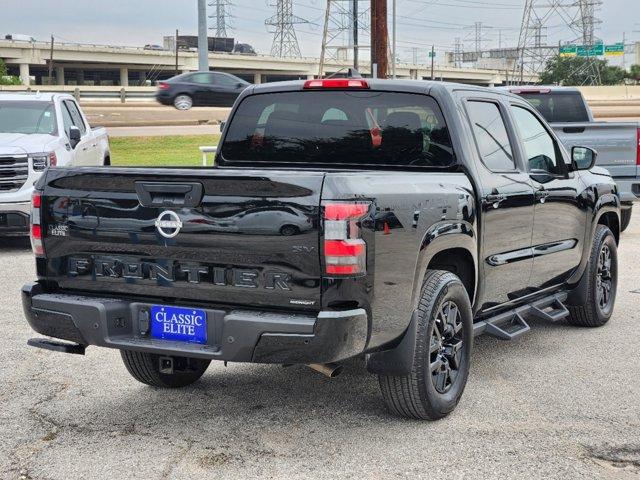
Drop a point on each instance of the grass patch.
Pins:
(167, 151)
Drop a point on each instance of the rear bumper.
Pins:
(233, 335)
(164, 98)
(629, 188)
(14, 218)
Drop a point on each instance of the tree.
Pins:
(579, 71)
(634, 73)
(5, 79)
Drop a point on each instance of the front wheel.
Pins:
(602, 282)
(163, 371)
(183, 102)
(442, 352)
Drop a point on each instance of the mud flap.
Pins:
(397, 361)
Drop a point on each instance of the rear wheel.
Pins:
(442, 352)
(602, 282)
(289, 230)
(183, 102)
(163, 371)
(625, 218)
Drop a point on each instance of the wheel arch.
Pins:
(610, 219)
(451, 247)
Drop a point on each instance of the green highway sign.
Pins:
(590, 50)
(597, 50)
(614, 50)
(568, 50)
(432, 54)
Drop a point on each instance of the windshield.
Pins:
(559, 107)
(339, 128)
(27, 117)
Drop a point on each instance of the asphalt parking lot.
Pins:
(563, 402)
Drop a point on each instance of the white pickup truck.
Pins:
(37, 131)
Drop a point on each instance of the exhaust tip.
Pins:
(330, 370)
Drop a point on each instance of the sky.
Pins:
(421, 23)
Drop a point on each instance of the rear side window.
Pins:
(491, 136)
(202, 78)
(560, 107)
(338, 128)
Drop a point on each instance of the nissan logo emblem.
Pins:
(168, 224)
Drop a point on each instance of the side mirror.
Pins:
(583, 158)
(74, 136)
(222, 124)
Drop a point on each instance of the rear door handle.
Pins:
(494, 199)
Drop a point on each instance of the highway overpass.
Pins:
(85, 64)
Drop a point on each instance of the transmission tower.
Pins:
(285, 42)
(587, 22)
(478, 36)
(457, 53)
(346, 22)
(221, 17)
(573, 20)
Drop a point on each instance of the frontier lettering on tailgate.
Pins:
(176, 272)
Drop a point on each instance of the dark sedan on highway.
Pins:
(205, 89)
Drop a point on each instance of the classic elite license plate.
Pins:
(177, 323)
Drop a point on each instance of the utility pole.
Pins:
(624, 48)
(433, 57)
(203, 41)
(325, 32)
(51, 61)
(379, 38)
(177, 35)
(355, 34)
(393, 48)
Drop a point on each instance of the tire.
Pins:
(602, 278)
(289, 230)
(183, 102)
(145, 367)
(430, 391)
(107, 161)
(625, 218)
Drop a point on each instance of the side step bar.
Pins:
(513, 323)
(56, 346)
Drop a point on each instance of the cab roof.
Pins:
(34, 96)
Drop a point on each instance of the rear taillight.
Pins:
(345, 252)
(638, 148)
(36, 228)
(163, 86)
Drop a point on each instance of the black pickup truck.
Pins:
(393, 220)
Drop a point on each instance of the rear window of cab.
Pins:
(338, 128)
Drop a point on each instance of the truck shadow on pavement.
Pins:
(262, 397)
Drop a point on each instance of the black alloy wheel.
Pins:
(604, 280)
(446, 347)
